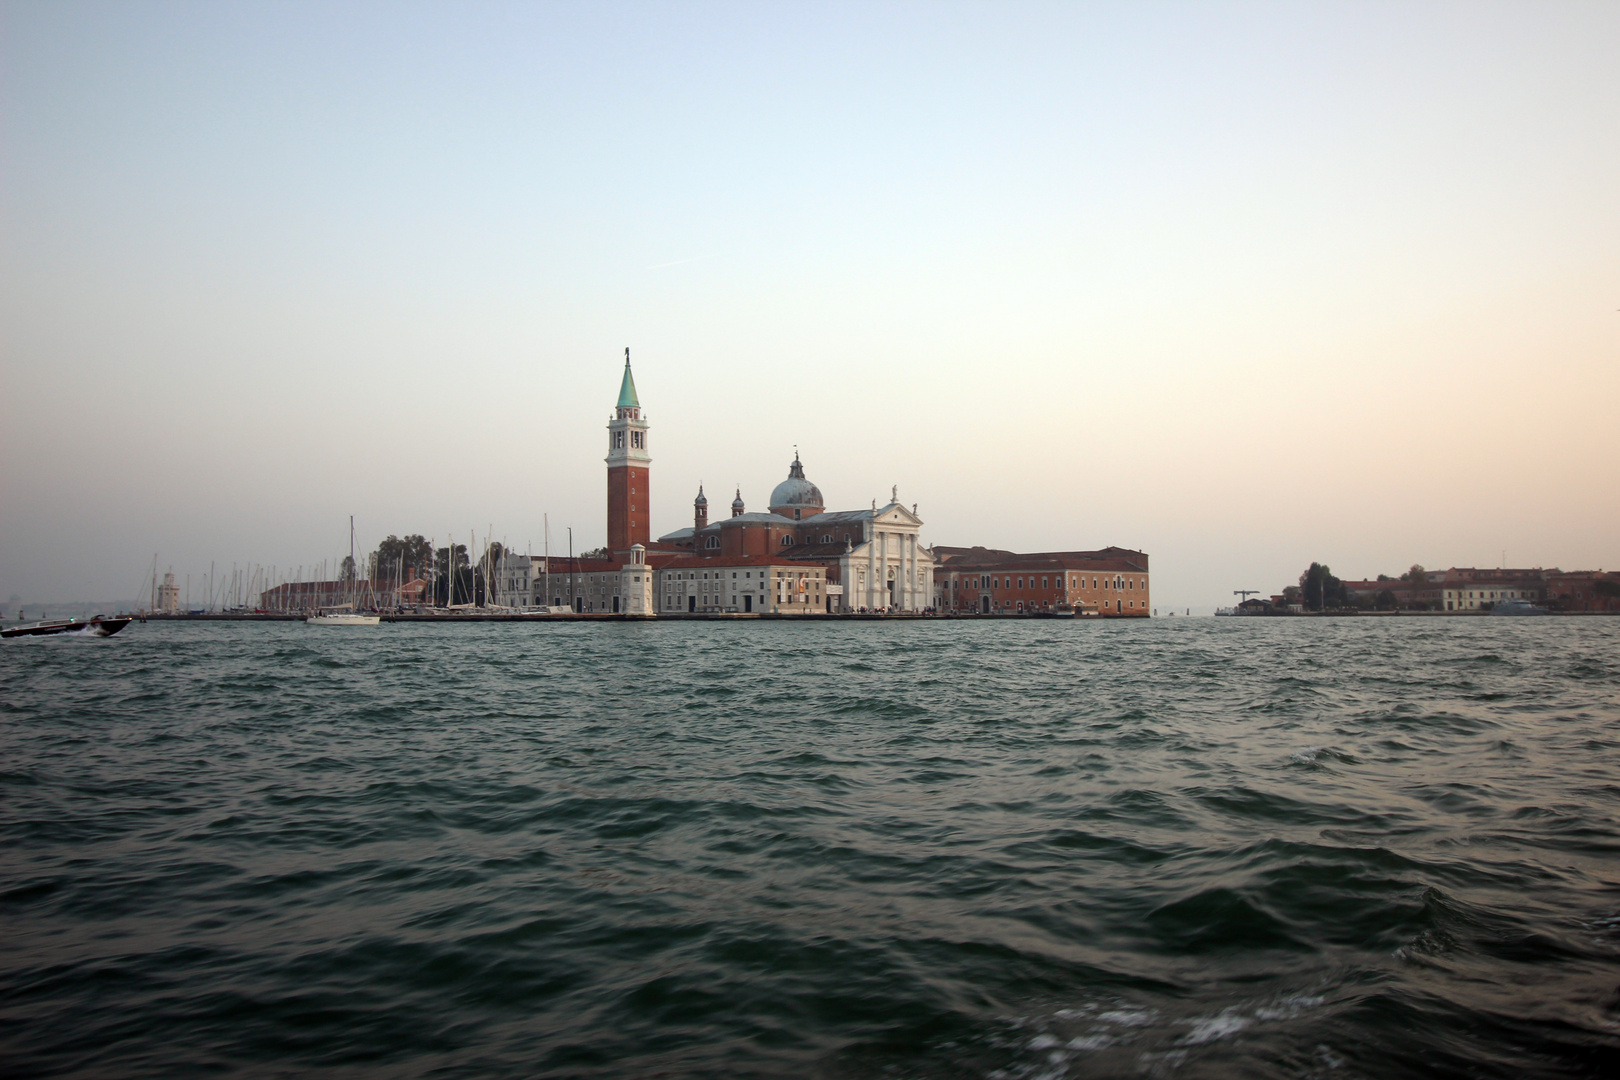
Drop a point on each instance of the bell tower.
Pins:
(628, 482)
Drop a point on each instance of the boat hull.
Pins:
(343, 620)
(100, 626)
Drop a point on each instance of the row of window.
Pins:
(988, 581)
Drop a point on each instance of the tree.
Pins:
(398, 558)
(346, 569)
(453, 582)
(1385, 600)
(486, 573)
(1321, 589)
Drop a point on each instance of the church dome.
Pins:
(701, 500)
(796, 491)
(737, 503)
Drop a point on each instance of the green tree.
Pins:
(1321, 589)
(485, 573)
(452, 578)
(397, 557)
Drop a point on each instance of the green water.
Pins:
(1335, 848)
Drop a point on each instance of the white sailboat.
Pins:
(343, 618)
(344, 615)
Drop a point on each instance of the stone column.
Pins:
(871, 571)
(883, 570)
(911, 572)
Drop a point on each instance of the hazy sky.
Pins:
(1241, 285)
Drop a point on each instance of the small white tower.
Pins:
(636, 584)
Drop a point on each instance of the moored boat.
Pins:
(1517, 607)
(343, 618)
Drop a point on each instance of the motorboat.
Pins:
(98, 626)
(1517, 607)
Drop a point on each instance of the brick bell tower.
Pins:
(628, 482)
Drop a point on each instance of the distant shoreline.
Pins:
(600, 616)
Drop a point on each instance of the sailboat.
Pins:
(344, 614)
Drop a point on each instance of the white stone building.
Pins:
(750, 584)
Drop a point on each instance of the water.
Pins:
(1303, 848)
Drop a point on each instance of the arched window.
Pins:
(787, 541)
(711, 542)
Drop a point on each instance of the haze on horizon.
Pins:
(1241, 285)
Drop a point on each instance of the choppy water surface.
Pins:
(1341, 848)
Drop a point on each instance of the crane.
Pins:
(1245, 593)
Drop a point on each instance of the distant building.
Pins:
(1471, 589)
(1112, 581)
(305, 597)
(585, 585)
(743, 584)
(1583, 590)
(797, 556)
(873, 558)
(168, 596)
(519, 581)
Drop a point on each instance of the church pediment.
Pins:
(895, 514)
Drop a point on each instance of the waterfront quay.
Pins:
(601, 616)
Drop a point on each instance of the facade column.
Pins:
(902, 592)
(911, 573)
(871, 571)
(883, 569)
(884, 596)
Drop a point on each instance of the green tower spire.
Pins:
(627, 388)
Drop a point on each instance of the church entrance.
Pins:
(748, 602)
(615, 605)
(691, 603)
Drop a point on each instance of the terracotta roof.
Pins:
(956, 558)
(724, 562)
(1026, 564)
(816, 551)
(562, 564)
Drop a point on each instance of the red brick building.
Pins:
(305, 597)
(1583, 590)
(1112, 581)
